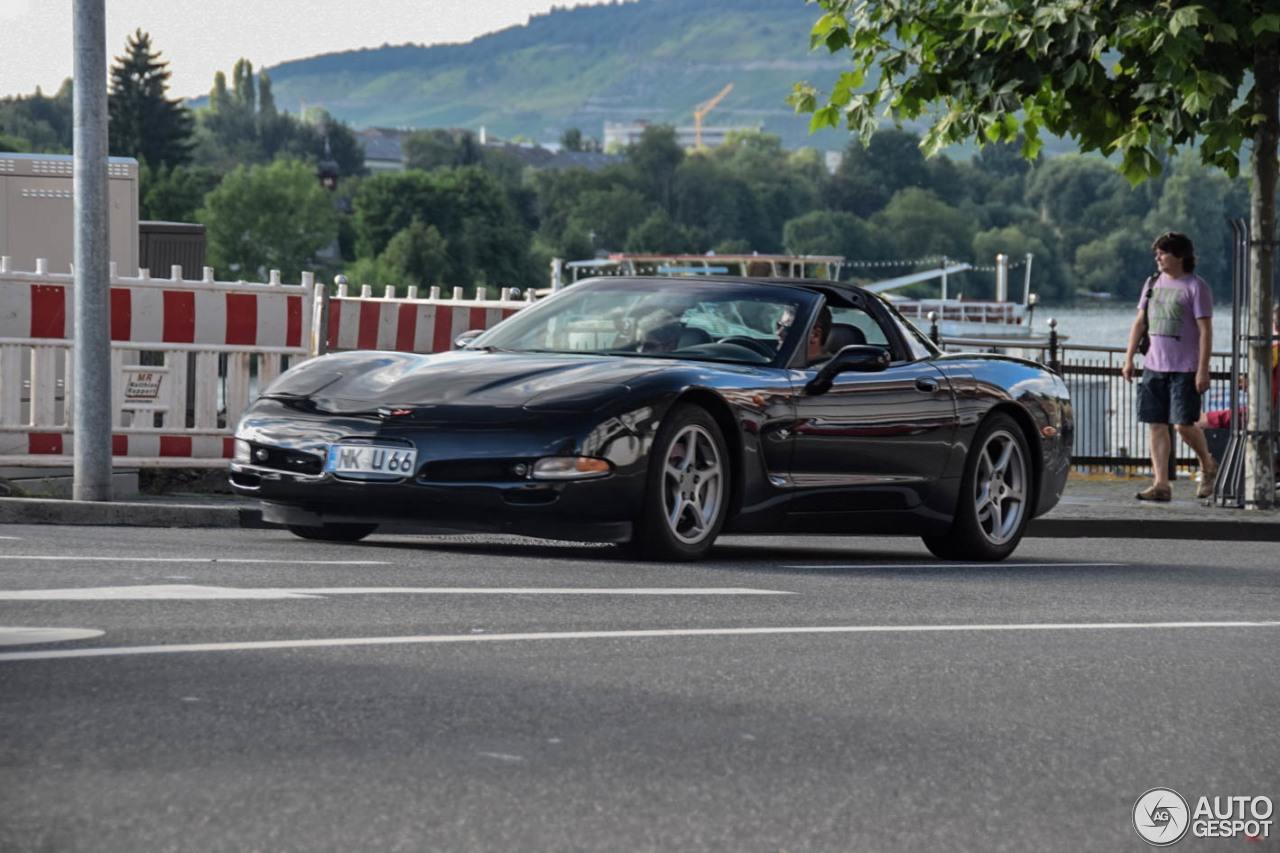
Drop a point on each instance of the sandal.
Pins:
(1157, 493)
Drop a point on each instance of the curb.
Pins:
(160, 514)
(119, 513)
(1139, 528)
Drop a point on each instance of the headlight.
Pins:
(569, 468)
(242, 453)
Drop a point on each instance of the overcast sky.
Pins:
(200, 39)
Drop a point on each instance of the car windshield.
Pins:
(682, 319)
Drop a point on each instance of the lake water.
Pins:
(1109, 324)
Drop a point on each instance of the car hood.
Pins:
(547, 382)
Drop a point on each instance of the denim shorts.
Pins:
(1168, 398)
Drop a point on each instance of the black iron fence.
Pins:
(1109, 436)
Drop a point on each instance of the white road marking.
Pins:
(453, 639)
(195, 592)
(193, 560)
(26, 636)
(163, 592)
(10, 537)
(935, 565)
(536, 590)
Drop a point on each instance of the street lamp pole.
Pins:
(92, 374)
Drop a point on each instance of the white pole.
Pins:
(92, 368)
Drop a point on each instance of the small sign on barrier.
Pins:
(142, 385)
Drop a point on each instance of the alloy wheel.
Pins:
(693, 484)
(1000, 487)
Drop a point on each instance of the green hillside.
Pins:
(650, 59)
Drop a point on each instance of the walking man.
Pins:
(1176, 310)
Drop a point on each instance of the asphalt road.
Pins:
(495, 694)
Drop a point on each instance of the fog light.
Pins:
(569, 468)
(242, 450)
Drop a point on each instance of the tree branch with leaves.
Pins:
(1134, 79)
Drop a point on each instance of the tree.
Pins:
(706, 196)
(655, 157)
(268, 217)
(418, 255)
(44, 123)
(173, 194)
(1138, 79)
(571, 139)
(436, 148)
(920, 225)
(1016, 245)
(143, 122)
(609, 214)
(13, 143)
(659, 235)
(827, 232)
(468, 207)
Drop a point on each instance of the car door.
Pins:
(874, 441)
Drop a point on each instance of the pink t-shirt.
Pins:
(1176, 304)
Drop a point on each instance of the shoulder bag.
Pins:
(1144, 342)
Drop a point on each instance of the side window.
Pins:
(854, 326)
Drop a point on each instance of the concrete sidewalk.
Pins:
(1090, 508)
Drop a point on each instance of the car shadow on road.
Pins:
(836, 556)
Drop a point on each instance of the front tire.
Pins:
(333, 532)
(994, 505)
(686, 495)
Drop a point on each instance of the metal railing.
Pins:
(1109, 437)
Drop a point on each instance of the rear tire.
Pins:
(994, 505)
(333, 532)
(686, 495)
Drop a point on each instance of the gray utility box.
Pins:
(37, 211)
(164, 245)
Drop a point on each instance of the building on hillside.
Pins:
(713, 136)
(537, 157)
(382, 151)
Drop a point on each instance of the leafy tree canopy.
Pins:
(1130, 77)
(268, 217)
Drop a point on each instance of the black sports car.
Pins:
(660, 412)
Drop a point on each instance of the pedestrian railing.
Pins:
(1109, 437)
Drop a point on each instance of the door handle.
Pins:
(927, 385)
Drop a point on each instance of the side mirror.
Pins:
(462, 340)
(860, 357)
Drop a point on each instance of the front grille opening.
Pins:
(472, 470)
(283, 459)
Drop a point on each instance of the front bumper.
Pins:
(468, 478)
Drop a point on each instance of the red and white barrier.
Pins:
(186, 360)
(159, 310)
(410, 324)
(187, 357)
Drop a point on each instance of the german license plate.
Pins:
(371, 460)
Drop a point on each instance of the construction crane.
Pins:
(701, 110)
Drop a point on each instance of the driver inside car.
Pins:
(818, 333)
